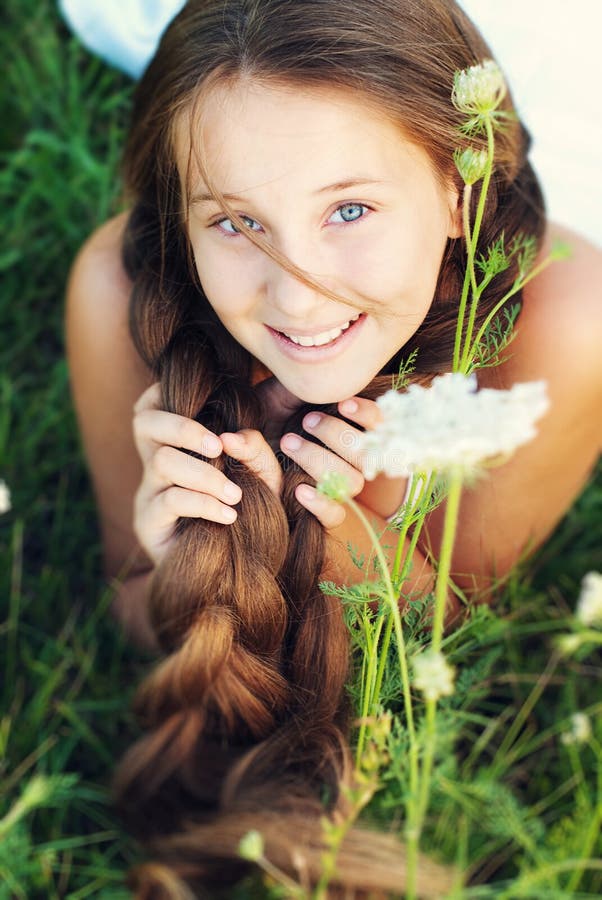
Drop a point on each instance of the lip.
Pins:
(317, 354)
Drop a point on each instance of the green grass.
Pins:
(513, 802)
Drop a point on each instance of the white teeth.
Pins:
(318, 340)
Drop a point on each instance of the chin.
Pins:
(322, 398)
(323, 394)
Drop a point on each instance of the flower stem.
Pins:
(368, 663)
(397, 576)
(383, 660)
(516, 287)
(447, 544)
(401, 537)
(441, 589)
(472, 243)
(394, 608)
(466, 285)
(412, 845)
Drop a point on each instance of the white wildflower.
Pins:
(450, 425)
(433, 675)
(589, 605)
(480, 89)
(580, 730)
(471, 164)
(4, 497)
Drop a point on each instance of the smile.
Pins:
(321, 346)
(324, 337)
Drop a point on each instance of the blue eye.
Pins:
(229, 227)
(349, 212)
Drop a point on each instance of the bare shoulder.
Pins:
(559, 332)
(561, 321)
(98, 272)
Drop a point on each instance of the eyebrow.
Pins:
(328, 188)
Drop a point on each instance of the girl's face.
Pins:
(338, 189)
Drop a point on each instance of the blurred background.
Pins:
(551, 51)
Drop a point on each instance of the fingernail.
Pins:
(306, 492)
(311, 420)
(210, 445)
(232, 492)
(228, 515)
(349, 406)
(291, 442)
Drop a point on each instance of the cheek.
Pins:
(229, 283)
(397, 264)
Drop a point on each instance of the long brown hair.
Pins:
(245, 718)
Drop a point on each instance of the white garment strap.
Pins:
(421, 481)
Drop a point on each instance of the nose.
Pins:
(290, 296)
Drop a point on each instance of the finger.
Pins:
(317, 461)
(250, 447)
(176, 502)
(150, 399)
(328, 512)
(365, 412)
(169, 466)
(154, 427)
(338, 436)
(382, 495)
(154, 522)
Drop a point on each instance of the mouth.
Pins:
(327, 338)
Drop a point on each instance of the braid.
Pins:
(245, 718)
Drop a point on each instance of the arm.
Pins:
(107, 376)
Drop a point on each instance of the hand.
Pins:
(382, 496)
(175, 484)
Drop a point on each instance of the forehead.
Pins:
(247, 134)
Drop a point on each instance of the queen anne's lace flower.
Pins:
(433, 675)
(480, 89)
(450, 425)
(4, 497)
(589, 605)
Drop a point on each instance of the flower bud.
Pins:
(589, 605)
(471, 164)
(4, 497)
(335, 485)
(251, 846)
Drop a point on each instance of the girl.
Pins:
(294, 233)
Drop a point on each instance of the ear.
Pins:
(456, 225)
